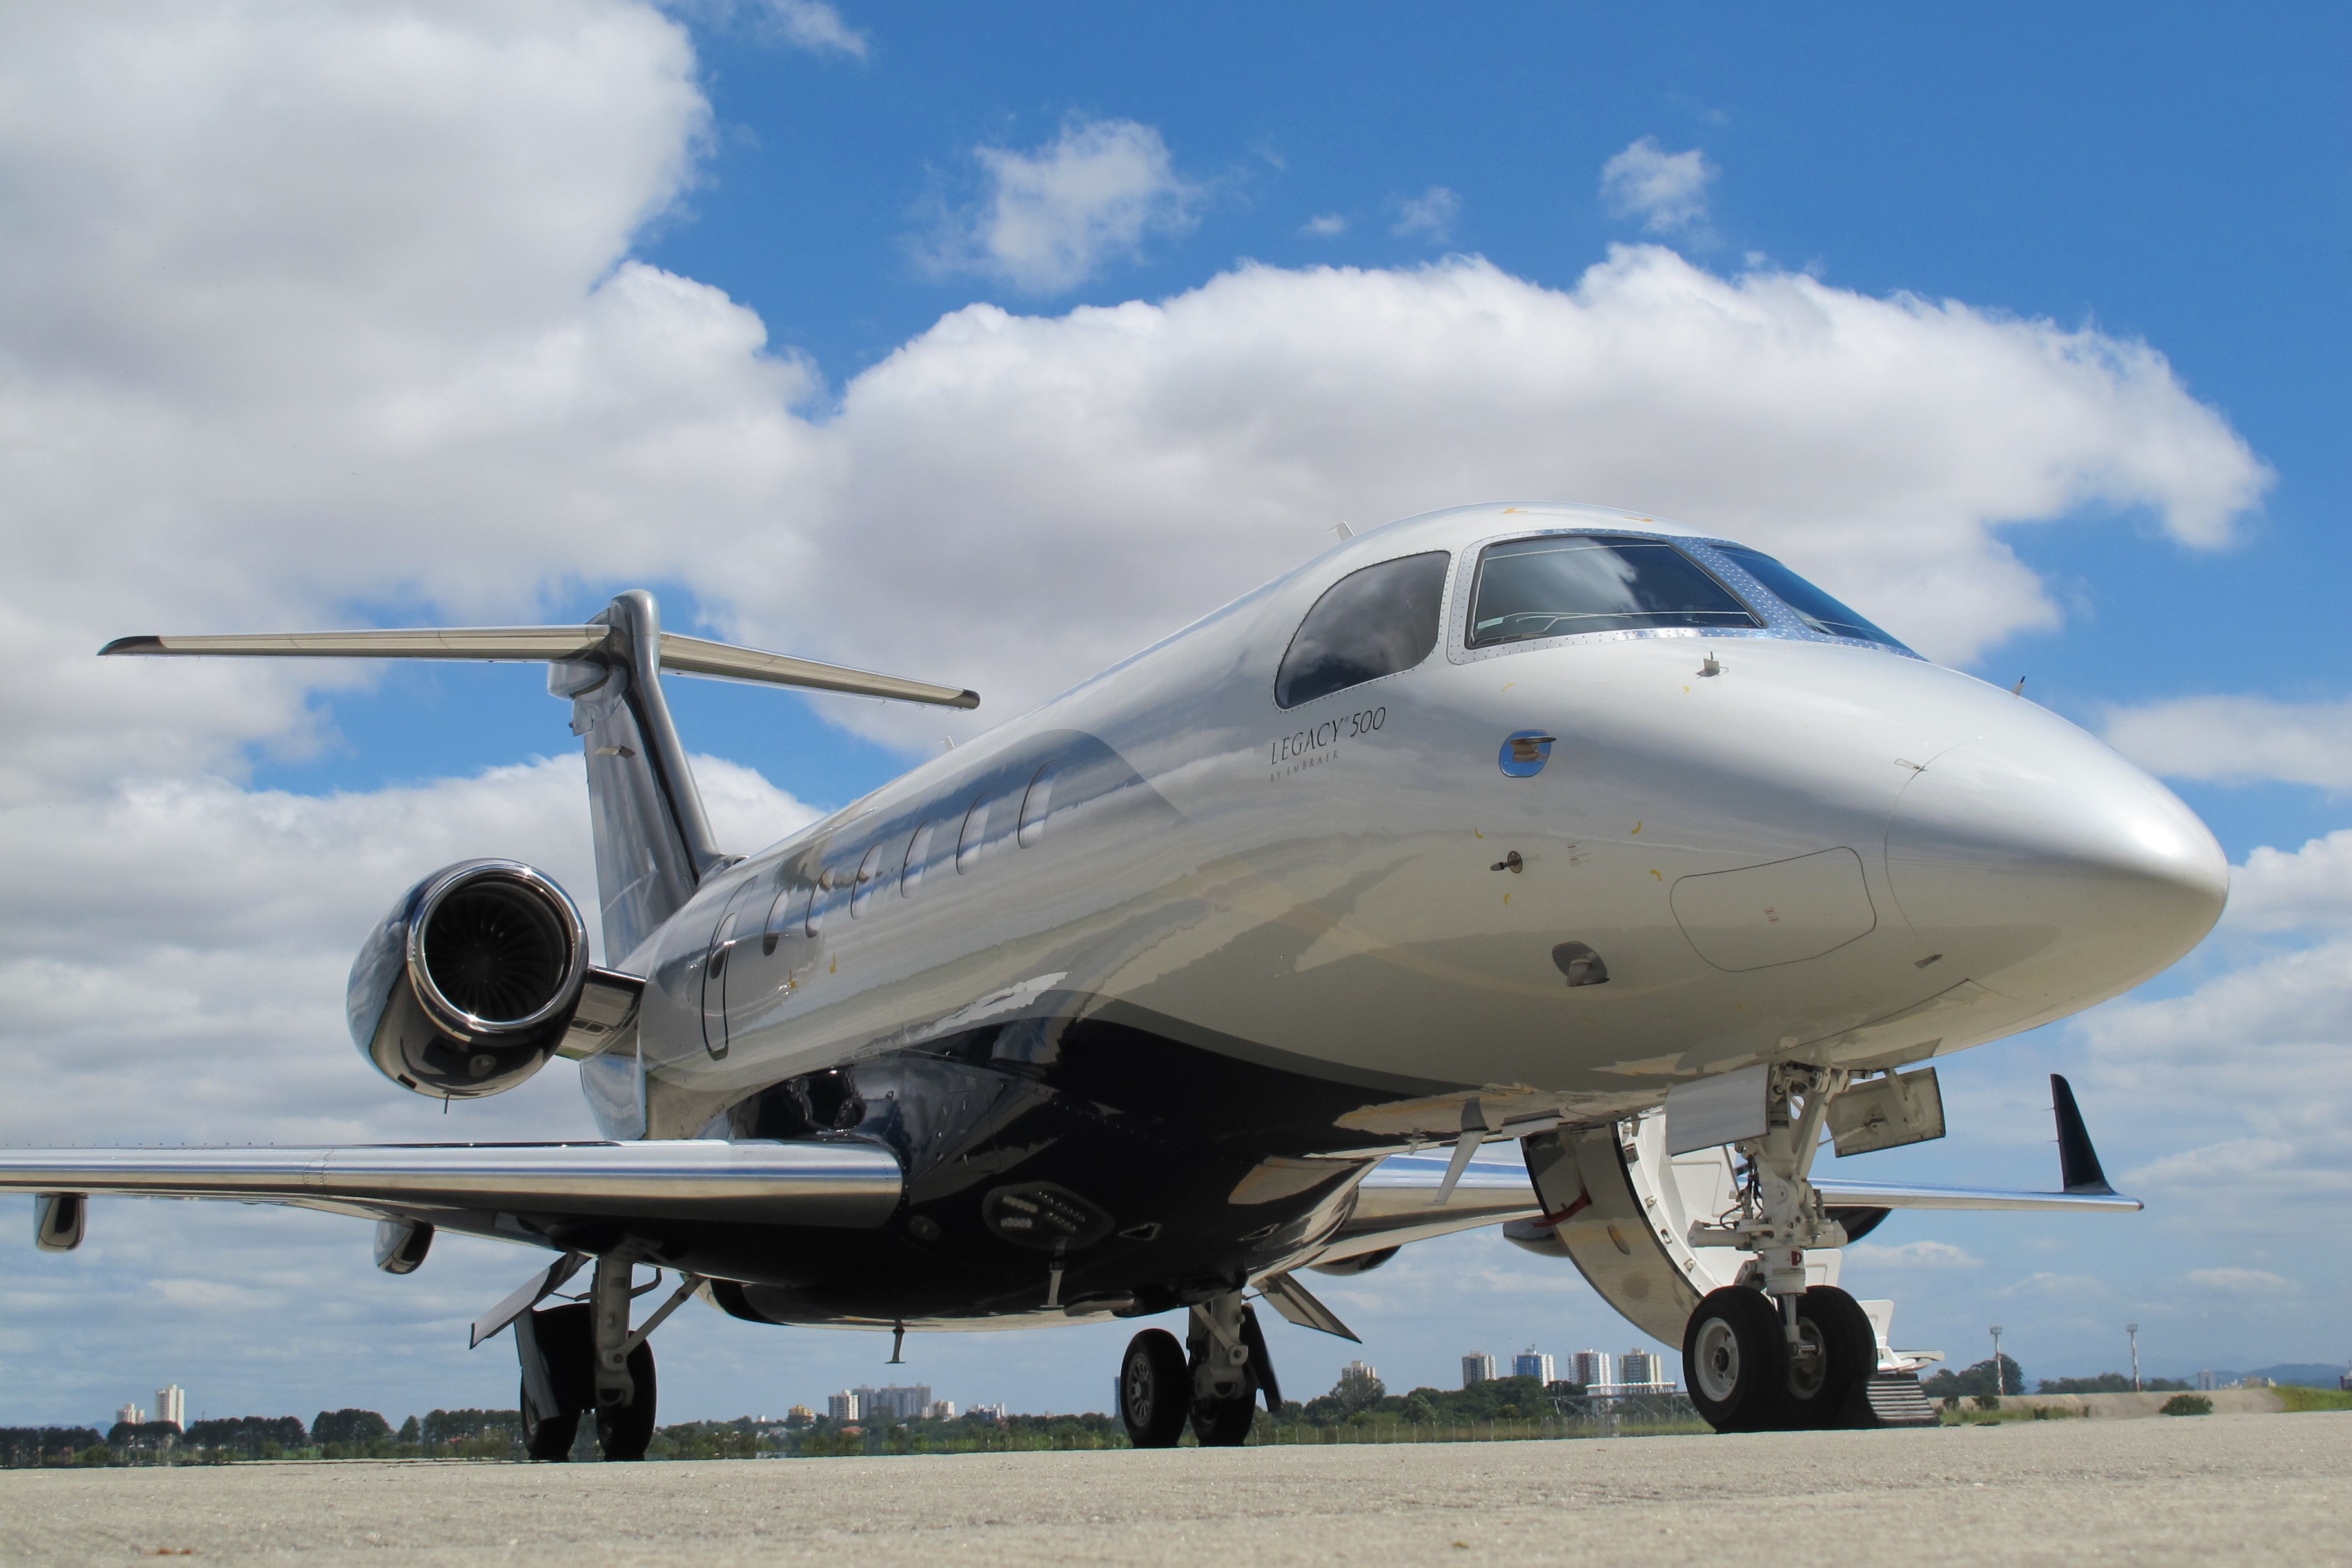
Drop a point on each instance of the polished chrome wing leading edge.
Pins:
(847, 1184)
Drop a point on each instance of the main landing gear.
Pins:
(1211, 1382)
(582, 1359)
(1772, 1353)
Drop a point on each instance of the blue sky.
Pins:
(378, 317)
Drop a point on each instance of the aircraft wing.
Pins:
(519, 1191)
(1393, 1202)
(1896, 1195)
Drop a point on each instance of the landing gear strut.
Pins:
(581, 1357)
(1770, 1352)
(1211, 1382)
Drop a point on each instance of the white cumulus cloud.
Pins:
(811, 24)
(309, 311)
(2238, 739)
(1667, 191)
(1430, 213)
(1048, 219)
(1913, 1255)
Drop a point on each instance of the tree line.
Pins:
(348, 1434)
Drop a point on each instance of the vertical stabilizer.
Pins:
(653, 841)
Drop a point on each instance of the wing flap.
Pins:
(844, 1184)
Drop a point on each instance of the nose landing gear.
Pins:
(1770, 1352)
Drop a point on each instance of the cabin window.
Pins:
(1815, 608)
(780, 917)
(869, 870)
(1370, 623)
(1569, 583)
(975, 828)
(918, 853)
(1036, 805)
(819, 896)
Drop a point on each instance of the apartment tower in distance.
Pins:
(1478, 1368)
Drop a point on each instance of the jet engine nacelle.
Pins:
(468, 986)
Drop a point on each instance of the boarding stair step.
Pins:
(1896, 1399)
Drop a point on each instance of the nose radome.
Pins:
(2048, 868)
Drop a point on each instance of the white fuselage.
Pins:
(1918, 862)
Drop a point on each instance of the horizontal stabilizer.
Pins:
(680, 655)
(843, 1184)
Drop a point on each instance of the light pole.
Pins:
(2133, 1330)
(1999, 1379)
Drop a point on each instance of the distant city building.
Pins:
(902, 1403)
(1532, 1363)
(1639, 1367)
(988, 1412)
(2208, 1379)
(841, 1406)
(799, 1416)
(940, 1410)
(133, 1415)
(171, 1404)
(1359, 1379)
(1590, 1368)
(1479, 1368)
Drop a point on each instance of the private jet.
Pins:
(1246, 958)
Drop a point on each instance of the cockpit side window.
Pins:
(1370, 623)
(1815, 608)
(1566, 584)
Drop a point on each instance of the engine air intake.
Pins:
(468, 986)
(498, 952)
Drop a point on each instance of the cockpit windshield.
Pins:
(1566, 584)
(1815, 608)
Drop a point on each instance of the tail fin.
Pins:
(652, 842)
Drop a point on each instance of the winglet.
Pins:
(2078, 1162)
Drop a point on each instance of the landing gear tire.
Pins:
(1224, 1423)
(564, 1345)
(1735, 1361)
(547, 1436)
(1155, 1390)
(623, 1431)
(1841, 1351)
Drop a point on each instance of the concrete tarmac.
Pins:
(2219, 1489)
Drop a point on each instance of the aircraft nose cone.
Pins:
(2050, 869)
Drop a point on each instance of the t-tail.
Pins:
(653, 840)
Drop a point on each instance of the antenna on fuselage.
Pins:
(1343, 531)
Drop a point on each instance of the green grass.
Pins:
(2293, 1398)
